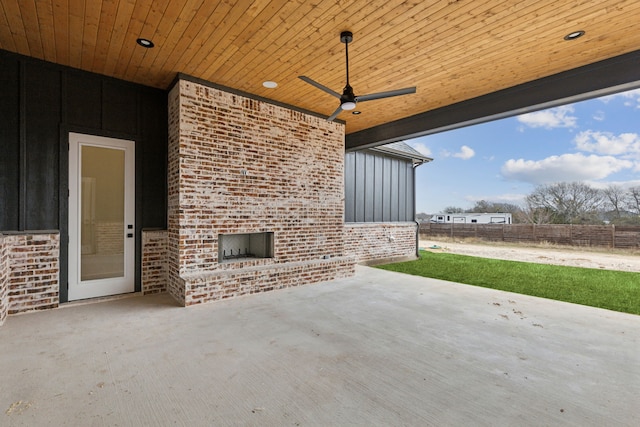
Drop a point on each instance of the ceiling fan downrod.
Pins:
(348, 98)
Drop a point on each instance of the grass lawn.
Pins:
(613, 290)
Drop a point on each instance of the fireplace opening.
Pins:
(233, 247)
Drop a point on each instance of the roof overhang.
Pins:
(599, 79)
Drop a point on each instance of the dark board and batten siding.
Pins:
(378, 188)
(40, 104)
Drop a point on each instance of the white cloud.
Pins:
(625, 144)
(631, 98)
(566, 167)
(559, 117)
(599, 116)
(465, 153)
(421, 147)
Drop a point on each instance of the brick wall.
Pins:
(154, 261)
(4, 279)
(175, 285)
(33, 271)
(380, 242)
(238, 165)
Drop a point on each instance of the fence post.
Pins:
(571, 234)
(613, 236)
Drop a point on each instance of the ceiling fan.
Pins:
(348, 99)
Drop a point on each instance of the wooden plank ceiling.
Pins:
(452, 50)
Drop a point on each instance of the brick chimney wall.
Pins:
(239, 165)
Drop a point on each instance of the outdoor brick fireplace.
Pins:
(258, 179)
(235, 247)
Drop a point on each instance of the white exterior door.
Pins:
(101, 216)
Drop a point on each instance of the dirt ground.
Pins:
(547, 254)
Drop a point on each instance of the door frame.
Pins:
(102, 287)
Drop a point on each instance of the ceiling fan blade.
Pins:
(319, 86)
(335, 114)
(380, 95)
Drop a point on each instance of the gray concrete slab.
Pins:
(377, 349)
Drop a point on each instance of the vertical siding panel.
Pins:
(119, 107)
(369, 187)
(411, 208)
(360, 186)
(395, 187)
(378, 179)
(402, 191)
(10, 142)
(84, 100)
(350, 187)
(386, 190)
(43, 108)
(152, 152)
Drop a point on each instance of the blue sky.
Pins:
(595, 141)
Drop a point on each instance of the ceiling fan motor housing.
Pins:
(347, 95)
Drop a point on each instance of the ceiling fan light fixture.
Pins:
(348, 105)
(574, 35)
(269, 84)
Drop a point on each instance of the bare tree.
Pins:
(615, 198)
(452, 209)
(633, 200)
(484, 206)
(534, 214)
(569, 203)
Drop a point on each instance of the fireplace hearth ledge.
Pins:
(210, 286)
(199, 276)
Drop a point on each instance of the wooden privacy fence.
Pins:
(623, 237)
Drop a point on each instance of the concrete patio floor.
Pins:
(380, 348)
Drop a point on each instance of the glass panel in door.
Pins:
(102, 213)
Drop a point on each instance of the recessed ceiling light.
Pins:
(356, 112)
(574, 35)
(269, 84)
(145, 43)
